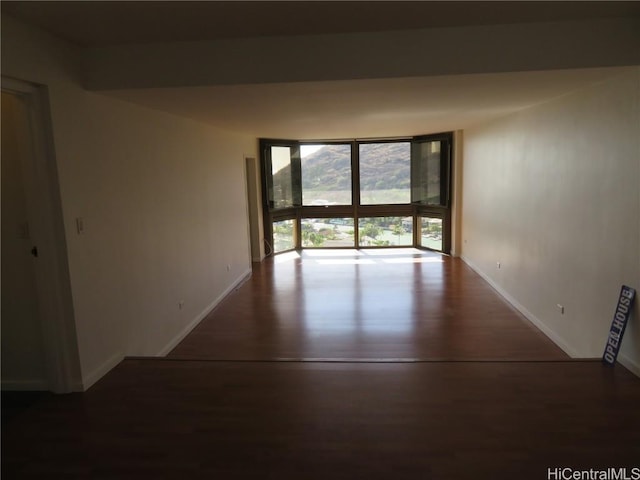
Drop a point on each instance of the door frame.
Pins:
(44, 207)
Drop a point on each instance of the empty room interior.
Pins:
(320, 239)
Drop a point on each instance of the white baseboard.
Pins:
(553, 336)
(629, 364)
(194, 323)
(95, 375)
(12, 385)
(33, 385)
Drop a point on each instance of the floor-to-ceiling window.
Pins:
(361, 193)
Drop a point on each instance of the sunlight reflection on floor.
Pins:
(413, 260)
(399, 255)
(346, 261)
(385, 252)
(337, 256)
(333, 253)
(286, 257)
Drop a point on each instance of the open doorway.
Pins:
(23, 357)
(39, 348)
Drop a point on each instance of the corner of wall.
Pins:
(629, 364)
(557, 339)
(92, 377)
(201, 316)
(456, 181)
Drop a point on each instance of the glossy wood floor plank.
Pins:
(368, 304)
(166, 419)
(222, 406)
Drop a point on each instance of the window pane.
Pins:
(283, 236)
(327, 232)
(385, 173)
(431, 233)
(282, 192)
(385, 231)
(427, 173)
(326, 174)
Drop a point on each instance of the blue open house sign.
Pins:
(620, 319)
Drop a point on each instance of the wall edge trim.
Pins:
(553, 336)
(33, 385)
(629, 364)
(90, 379)
(194, 323)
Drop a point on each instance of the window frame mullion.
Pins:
(416, 207)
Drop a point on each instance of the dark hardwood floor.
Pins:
(367, 304)
(376, 367)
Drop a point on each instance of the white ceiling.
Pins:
(101, 23)
(365, 108)
(324, 110)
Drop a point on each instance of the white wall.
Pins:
(553, 193)
(163, 204)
